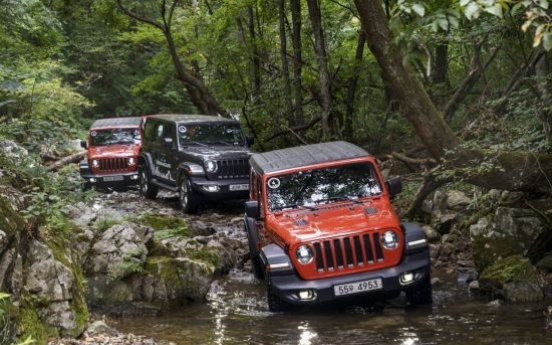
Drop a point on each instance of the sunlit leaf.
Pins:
(495, 10)
(472, 11)
(547, 41)
(419, 9)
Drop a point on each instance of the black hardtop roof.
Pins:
(191, 118)
(305, 155)
(116, 122)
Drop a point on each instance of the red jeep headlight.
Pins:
(131, 161)
(390, 240)
(304, 254)
(95, 163)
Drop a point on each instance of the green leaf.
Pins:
(495, 10)
(472, 11)
(443, 23)
(547, 41)
(544, 4)
(419, 9)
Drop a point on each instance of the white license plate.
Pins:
(113, 178)
(361, 286)
(238, 187)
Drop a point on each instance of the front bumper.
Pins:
(109, 179)
(287, 287)
(221, 189)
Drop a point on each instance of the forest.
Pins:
(455, 90)
(459, 90)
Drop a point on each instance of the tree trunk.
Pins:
(286, 83)
(441, 63)
(323, 74)
(515, 171)
(200, 95)
(351, 88)
(295, 7)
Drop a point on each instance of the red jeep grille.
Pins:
(232, 168)
(113, 164)
(348, 252)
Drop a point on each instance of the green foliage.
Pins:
(511, 269)
(102, 224)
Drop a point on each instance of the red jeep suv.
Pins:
(321, 228)
(112, 148)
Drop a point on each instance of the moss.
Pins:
(162, 222)
(207, 255)
(514, 268)
(11, 221)
(162, 267)
(31, 325)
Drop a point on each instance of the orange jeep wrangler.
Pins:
(112, 153)
(321, 228)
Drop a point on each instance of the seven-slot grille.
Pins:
(232, 168)
(348, 252)
(113, 164)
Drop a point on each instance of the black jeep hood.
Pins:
(217, 152)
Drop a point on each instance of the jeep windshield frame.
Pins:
(206, 134)
(115, 136)
(311, 187)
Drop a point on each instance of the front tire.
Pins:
(254, 253)
(420, 294)
(147, 189)
(275, 304)
(187, 199)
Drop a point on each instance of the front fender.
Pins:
(276, 261)
(415, 238)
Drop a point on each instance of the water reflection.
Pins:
(236, 313)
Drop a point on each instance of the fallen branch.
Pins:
(74, 158)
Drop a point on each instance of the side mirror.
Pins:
(83, 144)
(394, 186)
(250, 140)
(252, 209)
(168, 141)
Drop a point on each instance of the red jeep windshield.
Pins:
(313, 187)
(114, 136)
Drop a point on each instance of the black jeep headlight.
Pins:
(390, 239)
(211, 166)
(95, 163)
(304, 254)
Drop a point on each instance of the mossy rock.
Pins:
(514, 268)
(168, 226)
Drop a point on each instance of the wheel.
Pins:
(275, 304)
(187, 199)
(420, 294)
(254, 253)
(147, 189)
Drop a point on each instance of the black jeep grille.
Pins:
(113, 164)
(348, 252)
(232, 168)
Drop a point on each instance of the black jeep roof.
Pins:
(116, 122)
(298, 156)
(188, 118)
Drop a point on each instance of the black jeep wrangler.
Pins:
(199, 156)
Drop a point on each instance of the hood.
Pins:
(218, 152)
(113, 150)
(333, 219)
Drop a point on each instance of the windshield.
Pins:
(314, 187)
(217, 133)
(115, 136)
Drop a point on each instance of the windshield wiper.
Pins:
(188, 143)
(280, 208)
(338, 198)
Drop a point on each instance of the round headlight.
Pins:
(95, 163)
(131, 161)
(304, 254)
(211, 166)
(390, 240)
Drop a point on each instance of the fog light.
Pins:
(211, 189)
(406, 278)
(307, 295)
(134, 177)
(93, 180)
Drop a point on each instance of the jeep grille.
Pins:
(113, 164)
(232, 168)
(348, 252)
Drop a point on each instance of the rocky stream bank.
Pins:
(125, 256)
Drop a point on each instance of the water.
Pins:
(236, 313)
